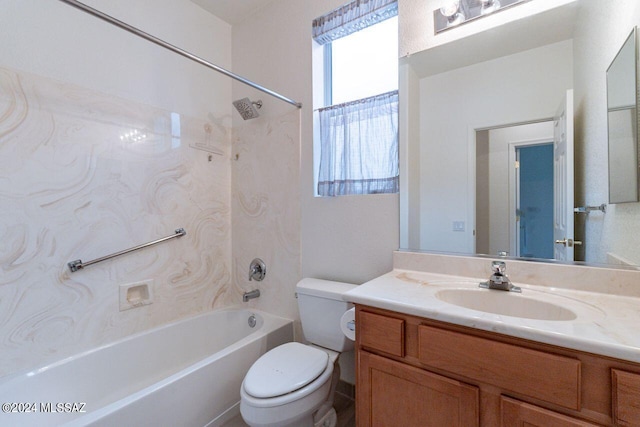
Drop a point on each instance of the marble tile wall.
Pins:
(84, 174)
(266, 208)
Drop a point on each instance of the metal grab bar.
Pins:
(79, 265)
(110, 19)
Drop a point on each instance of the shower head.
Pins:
(246, 108)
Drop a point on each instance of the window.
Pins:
(364, 63)
(358, 123)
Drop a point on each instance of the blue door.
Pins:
(535, 200)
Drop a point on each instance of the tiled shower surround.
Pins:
(266, 208)
(85, 174)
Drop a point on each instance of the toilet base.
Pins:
(330, 419)
(298, 413)
(313, 410)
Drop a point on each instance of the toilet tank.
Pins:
(321, 308)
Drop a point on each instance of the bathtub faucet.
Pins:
(250, 295)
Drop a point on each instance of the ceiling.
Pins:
(232, 11)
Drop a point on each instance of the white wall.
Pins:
(72, 187)
(344, 238)
(600, 34)
(513, 89)
(59, 41)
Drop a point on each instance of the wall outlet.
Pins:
(458, 225)
(135, 295)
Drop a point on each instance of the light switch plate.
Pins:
(458, 225)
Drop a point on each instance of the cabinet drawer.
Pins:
(548, 377)
(626, 398)
(382, 333)
(516, 413)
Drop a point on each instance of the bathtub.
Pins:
(187, 373)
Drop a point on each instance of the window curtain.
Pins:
(359, 147)
(352, 17)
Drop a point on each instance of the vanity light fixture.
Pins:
(456, 12)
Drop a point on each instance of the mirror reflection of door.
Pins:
(563, 194)
(515, 190)
(534, 200)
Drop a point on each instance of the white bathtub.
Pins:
(186, 373)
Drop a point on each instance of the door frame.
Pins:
(471, 167)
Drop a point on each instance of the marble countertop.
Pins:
(604, 324)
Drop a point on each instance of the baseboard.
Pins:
(346, 389)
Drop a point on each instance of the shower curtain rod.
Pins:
(83, 7)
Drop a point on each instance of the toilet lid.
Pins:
(284, 369)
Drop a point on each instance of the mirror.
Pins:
(623, 123)
(470, 80)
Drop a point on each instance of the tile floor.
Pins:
(345, 407)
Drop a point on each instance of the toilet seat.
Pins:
(285, 369)
(286, 374)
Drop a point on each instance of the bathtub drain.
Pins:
(252, 321)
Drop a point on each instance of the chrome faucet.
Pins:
(499, 279)
(250, 295)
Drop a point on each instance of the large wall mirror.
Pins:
(622, 113)
(504, 134)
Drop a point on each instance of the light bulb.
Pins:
(489, 6)
(453, 14)
(450, 9)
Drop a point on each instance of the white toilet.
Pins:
(293, 385)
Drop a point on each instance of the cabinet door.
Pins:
(521, 414)
(390, 393)
(626, 398)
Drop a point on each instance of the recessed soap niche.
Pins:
(133, 295)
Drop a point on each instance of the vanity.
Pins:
(434, 349)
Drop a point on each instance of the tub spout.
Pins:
(250, 295)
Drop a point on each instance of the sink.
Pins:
(506, 304)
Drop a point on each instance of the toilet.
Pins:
(293, 384)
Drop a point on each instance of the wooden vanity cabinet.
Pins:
(413, 371)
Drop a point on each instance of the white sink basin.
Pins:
(506, 304)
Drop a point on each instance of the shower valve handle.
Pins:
(257, 270)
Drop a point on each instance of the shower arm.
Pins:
(108, 18)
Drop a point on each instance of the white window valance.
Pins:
(352, 17)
